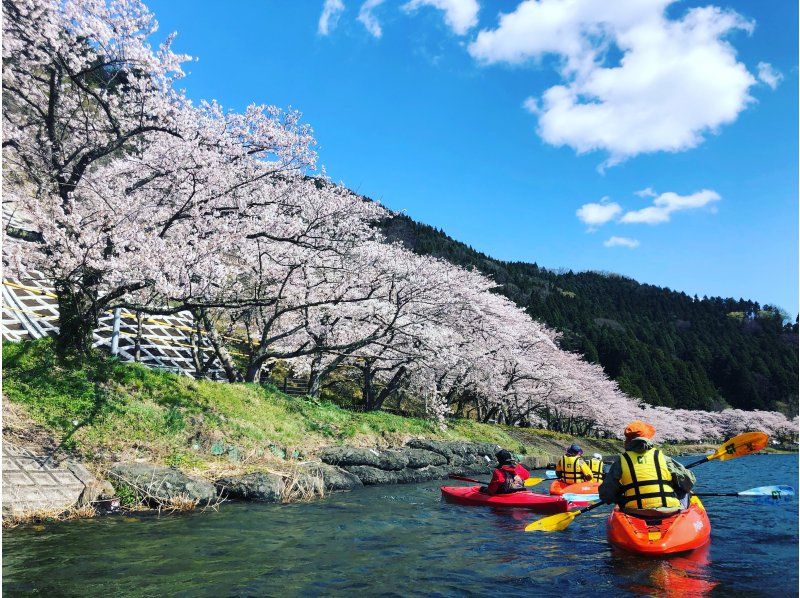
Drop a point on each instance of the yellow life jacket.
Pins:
(571, 470)
(646, 481)
(596, 465)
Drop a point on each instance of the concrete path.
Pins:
(32, 483)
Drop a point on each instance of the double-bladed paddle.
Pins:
(527, 483)
(738, 446)
(771, 491)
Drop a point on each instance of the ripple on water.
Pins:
(403, 540)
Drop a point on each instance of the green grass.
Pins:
(106, 409)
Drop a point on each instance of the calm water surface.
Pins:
(403, 540)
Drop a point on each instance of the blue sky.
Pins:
(430, 118)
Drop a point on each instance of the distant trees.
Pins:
(662, 346)
(142, 199)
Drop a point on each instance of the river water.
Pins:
(403, 540)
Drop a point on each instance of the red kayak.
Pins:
(541, 503)
(685, 531)
(559, 487)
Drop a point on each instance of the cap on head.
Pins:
(574, 449)
(597, 456)
(504, 457)
(638, 429)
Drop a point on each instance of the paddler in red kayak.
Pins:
(508, 476)
(571, 468)
(644, 481)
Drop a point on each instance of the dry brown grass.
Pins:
(300, 485)
(179, 504)
(22, 431)
(143, 498)
(40, 516)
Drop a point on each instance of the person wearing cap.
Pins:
(508, 476)
(571, 468)
(596, 466)
(644, 481)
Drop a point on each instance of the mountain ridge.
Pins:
(661, 345)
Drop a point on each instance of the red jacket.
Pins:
(499, 485)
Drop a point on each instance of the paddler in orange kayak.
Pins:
(644, 481)
(571, 468)
(508, 476)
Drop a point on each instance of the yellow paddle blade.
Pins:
(553, 523)
(533, 481)
(741, 445)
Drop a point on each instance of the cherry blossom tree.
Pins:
(114, 166)
(143, 199)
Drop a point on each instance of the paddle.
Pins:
(739, 446)
(574, 497)
(773, 491)
(529, 482)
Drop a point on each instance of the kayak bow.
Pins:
(682, 532)
(559, 487)
(541, 503)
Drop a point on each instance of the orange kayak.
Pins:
(559, 487)
(685, 531)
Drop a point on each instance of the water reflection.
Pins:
(403, 540)
(686, 574)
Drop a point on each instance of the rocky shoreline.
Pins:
(38, 486)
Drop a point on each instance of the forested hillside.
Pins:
(660, 345)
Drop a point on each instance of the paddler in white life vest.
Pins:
(596, 466)
(571, 468)
(644, 481)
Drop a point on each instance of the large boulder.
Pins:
(93, 489)
(462, 457)
(258, 486)
(454, 449)
(155, 484)
(333, 478)
(372, 476)
(426, 474)
(347, 456)
(419, 458)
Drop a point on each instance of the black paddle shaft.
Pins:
(704, 494)
(701, 461)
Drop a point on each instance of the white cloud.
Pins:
(460, 15)
(368, 19)
(667, 203)
(677, 78)
(330, 16)
(597, 214)
(621, 242)
(769, 74)
(646, 192)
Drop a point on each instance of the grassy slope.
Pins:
(107, 411)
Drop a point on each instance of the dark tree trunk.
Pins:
(197, 351)
(367, 391)
(225, 359)
(315, 376)
(253, 373)
(77, 315)
(137, 343)
(390, 388)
